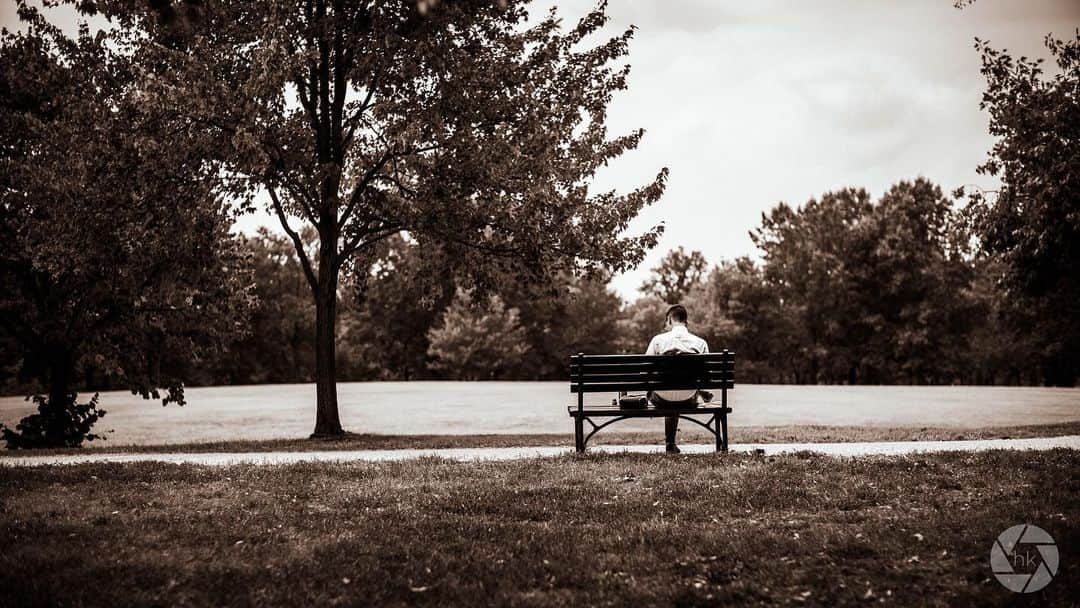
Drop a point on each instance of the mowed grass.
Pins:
(688, 433)
(568, 531)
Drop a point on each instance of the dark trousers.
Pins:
(671, 426)
(671, 423)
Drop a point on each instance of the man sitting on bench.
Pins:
(675, 340)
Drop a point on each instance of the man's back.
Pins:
(678, 340)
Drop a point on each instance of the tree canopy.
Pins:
(116, 255)
(677, 273)
(1032, 224)
(464, 127)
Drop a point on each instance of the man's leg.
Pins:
(671, 426)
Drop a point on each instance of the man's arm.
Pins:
(654, 348)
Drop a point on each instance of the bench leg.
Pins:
(579, 434)
(721, 437)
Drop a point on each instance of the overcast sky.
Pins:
(752, 102)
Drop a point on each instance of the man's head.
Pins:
(676, 315)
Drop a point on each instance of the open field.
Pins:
(219, 414)
(782, 434)
(798, 530)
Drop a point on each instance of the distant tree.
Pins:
(639, 322)
(808, 253)
(879, 292)
(385, 330)
(281, 340)
(116, 254)
(677, 273)
(1003, 346)
(920, 277)
(567, 316)
(1033, 223)
(590, 324)
(363, 120)
(736, 309)
(477, 341)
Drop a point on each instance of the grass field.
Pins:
(267, 412)
(776, 434)
(595, 530)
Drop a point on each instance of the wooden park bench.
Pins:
(639, 374)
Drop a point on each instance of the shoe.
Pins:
(706, 396)
(672, 449)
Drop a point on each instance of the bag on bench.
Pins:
(633, 402)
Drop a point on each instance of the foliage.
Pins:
(56, 425)
(463, 127)
(877, 292)
(677, 274)
(477, 341)
(385, 332)
(1033, 224)
(116, 255)
(735, 309)
(279, 345)
(639, 322)
(809, 255)
(569, 315)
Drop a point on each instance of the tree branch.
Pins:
(340, 73)
(297, 241)
(296, 190)
(360, 185)
(353, 121)
(365, 239)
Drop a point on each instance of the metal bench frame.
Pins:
(644, 373)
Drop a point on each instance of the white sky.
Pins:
(753, 102)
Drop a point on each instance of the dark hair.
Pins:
(677, 313)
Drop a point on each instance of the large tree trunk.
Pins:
(1059, 370)
(61, 368)
(327, 421)
(59, 377)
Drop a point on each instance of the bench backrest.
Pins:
(641, 373)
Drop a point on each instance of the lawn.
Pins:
(268, 412)
(688, 433)
(593, 530)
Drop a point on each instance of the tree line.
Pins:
(844, 290)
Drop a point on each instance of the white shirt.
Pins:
(678, 340)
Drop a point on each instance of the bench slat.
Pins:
(649, 377)
(631, 359)
(641, 387)
(650, 412)
(604, 368)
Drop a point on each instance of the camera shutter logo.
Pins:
(1024, 558)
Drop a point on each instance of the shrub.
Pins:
(56, 425)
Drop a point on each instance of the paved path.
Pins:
(892, 448)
